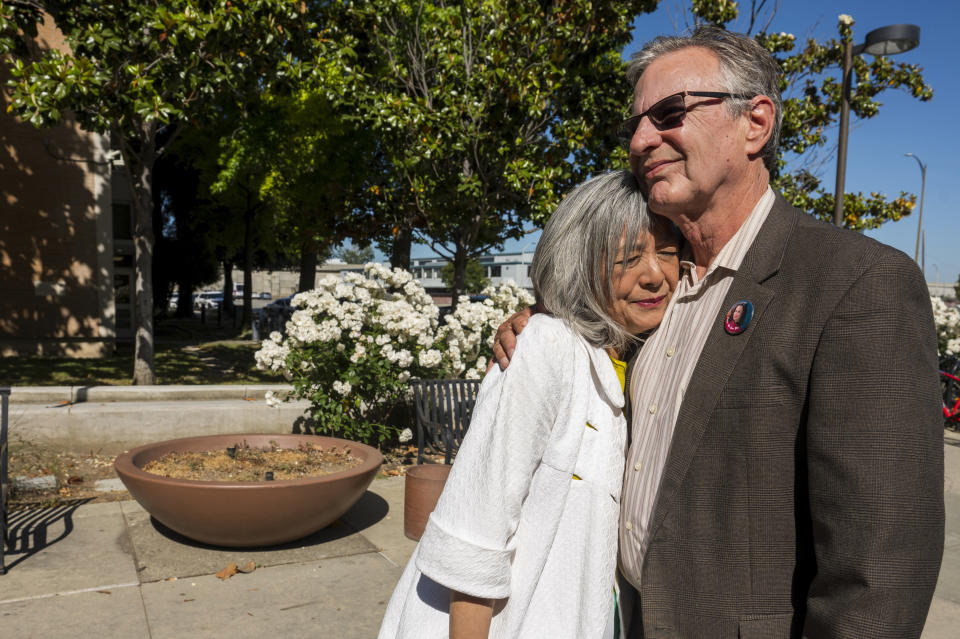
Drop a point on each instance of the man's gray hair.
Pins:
(745, 68)
(573, 266)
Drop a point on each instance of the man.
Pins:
(785, 474)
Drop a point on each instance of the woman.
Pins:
(737, 318)
(523, 539)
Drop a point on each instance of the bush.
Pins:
(947, 319)
(352, 345)
(467, 334)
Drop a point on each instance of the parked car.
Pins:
(266, 295)
(274, 316)
(279, 303)
(208, 300)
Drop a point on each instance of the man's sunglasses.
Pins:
(668, 113)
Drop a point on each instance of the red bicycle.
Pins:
(950, 389)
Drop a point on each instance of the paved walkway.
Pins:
(106, 571)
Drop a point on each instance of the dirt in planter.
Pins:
(77, 472)
(242, 462)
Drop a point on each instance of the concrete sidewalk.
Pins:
(105, 571)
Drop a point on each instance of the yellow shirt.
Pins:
(621, 369)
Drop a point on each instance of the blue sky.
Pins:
(876, 147)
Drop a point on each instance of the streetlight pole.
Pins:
(844, 133)
(923, 189)
(889, 40)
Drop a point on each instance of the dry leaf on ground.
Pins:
(228, 572)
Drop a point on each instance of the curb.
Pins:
(60, 395)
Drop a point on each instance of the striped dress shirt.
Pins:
(660, 377)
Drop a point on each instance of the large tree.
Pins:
(299, 156)
(488, 111)
(137, 70)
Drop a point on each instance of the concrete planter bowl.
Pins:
(246, 514)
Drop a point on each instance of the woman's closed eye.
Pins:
(630, 261)
(668, 253)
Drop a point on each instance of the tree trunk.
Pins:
(227, 288)
(247, 319)
(400, 256)
(459, 274)
(184, 299)
(308, 264)
(140, 170)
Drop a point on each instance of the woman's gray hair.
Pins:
(573, 266)
(745, 68)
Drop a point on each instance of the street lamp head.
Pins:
(923, 167)
(893, 39)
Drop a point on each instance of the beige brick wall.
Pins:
(56, 289)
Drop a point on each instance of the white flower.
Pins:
(343, 388)
(843, 18)
(430, 358)
(953, 347)
(272, 401)
(404, 358)
(406, 435)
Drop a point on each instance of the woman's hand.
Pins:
(505, 341)
(469, 616)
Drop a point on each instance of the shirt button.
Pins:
(628, 526)
(653, 409)
(671, 351)
(637, 466)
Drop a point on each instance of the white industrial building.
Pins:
(497, 268)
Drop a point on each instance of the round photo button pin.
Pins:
(738, 317)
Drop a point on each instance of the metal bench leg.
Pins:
(4, 484)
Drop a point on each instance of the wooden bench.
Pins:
(4, 480)
(443, 409)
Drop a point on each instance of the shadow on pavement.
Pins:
(29, 529)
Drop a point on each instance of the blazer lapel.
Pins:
(722, 351)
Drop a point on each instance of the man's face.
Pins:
(681, 169)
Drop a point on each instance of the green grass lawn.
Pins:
(186, 353)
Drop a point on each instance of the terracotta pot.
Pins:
(246, 514)
(422, 489)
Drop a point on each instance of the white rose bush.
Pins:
(352, 345)
(947, 320)
(468, 332)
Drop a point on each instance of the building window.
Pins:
(122, 221)
(493, 271)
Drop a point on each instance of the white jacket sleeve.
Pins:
(467, 542)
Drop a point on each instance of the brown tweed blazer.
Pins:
(803, 491)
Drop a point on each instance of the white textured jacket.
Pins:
(529, 512)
